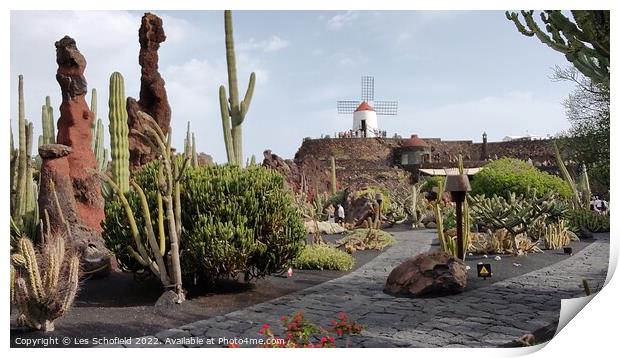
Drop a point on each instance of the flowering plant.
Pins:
(300, 332)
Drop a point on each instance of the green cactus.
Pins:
(333, 176)
(577, 202)
(585, 42)
(584, 187)
(47, 122)
(187, 141)
(233, 112)
(23, 199)
(44, 283)
(525, 213)
(119, 132)
(194, 155)
(466, 214)
(93, 108)
(443, 241)
(100, 151)
(168, 193)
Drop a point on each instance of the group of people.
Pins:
(359, 134)
(599, 205)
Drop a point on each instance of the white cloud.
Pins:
(274, 43)
(337, 22)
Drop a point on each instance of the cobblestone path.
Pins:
(485, 317)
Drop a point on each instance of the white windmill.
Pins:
(365, 111)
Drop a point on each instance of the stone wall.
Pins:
(374, 159)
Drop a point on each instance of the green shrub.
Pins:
(323, 257)
(366, 239)
(235, 221)
(581, 219)
(432, 182)
(507, 175)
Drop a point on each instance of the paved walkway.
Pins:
(486, 317)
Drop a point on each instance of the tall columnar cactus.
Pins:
(333, 177)
(100, 151)
(119, 132)
(170, 173)
(93, 108)
(233, 112)
(23, 198)
(45, 282)
(584, 187)
(577, 203)
(194, 155)
(466, 215)
(187, 143)
(47, 122)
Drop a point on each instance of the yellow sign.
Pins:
(484, 270)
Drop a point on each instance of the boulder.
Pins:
(358, 208)
(325, 227)
(429, 273)
(56, 192)
(430, 225)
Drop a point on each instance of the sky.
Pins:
(455, 74)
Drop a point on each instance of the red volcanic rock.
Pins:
(55, 169)
(74, 130)
(56, 191)
(153, 98)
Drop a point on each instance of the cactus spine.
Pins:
(43, 289)
(233, 112)
(333, 167)
(119, 132)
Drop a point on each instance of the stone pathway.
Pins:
(486, 317)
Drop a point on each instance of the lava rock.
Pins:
(430, 273)
(153, 97)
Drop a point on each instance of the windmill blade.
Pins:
(368, 88)
(386, 108)
(347, 107)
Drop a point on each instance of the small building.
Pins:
(412, 154)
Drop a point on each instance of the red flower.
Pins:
(339, 332)
(234, 345)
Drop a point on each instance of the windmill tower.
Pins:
(366, 110)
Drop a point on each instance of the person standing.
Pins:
(340, 214)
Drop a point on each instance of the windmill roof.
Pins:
(364, 106)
